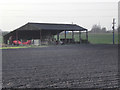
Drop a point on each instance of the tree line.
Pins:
(98, 29)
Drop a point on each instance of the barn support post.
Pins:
(57, 38)
(87, 36)
(21, 41)
(40, 41)
(73, 36)
(80, 40)
(5, 40)
(65, 36)
(12, 40)
(17, 37)
(33, 42)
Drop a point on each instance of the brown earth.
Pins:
(72, 66)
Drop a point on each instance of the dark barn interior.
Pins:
(43, 32)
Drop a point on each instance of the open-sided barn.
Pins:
(43, 32)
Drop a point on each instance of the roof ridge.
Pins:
(51, 23)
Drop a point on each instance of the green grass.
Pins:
(95, 38)
(17, 47)
(105, 38)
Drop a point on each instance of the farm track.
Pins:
(72, 66)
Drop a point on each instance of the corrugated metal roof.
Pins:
(51, 26)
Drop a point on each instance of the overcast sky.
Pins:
(86, 13)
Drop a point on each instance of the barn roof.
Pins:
(51, 26)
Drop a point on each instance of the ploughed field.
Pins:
(72, 66)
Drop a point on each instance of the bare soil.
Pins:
(72, 66)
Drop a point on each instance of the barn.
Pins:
(44, 32)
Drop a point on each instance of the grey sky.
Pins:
(86, 13)
(119, 14)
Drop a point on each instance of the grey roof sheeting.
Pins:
(51, 26)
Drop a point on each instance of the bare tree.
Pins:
(98, 29)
